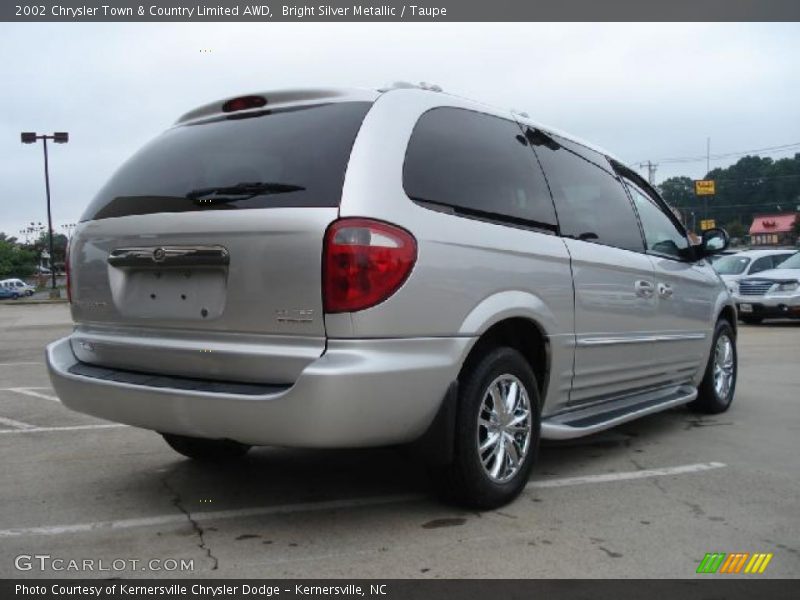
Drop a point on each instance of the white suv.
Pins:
(771, 294)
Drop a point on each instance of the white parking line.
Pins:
(31, 391)
(330, 505)
(17, 425)
(15, 364)
(34, 429)
(607, 477)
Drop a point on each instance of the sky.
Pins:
(641, 91)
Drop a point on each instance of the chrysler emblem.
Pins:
(159, 254)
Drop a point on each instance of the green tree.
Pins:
(735, 229)
(15, 261)
(678, 191)
(60, 242)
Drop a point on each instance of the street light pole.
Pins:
(49, 215)
(59, 137)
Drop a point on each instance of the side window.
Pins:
(591, 203)
(761, 264)
(476, 164)
(660, 232)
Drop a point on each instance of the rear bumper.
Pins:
(358, 393)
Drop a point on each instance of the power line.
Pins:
(765, 177)
(689, 159)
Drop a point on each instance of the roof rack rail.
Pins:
(405, 85)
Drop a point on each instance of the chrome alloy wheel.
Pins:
(504, 428)
(724, 367)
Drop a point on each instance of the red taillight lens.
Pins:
(66, 272)
(364, 262)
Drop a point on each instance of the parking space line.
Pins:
(15, 364)
(34, 429)
(331, 504)
(31, 391)
(17, 425)
(609, 477)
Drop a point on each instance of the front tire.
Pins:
(497, 432)
(205, 449)
(715, 392)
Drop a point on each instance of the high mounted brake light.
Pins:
(243, 103)
(364, 263)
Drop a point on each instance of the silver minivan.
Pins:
(333, 268)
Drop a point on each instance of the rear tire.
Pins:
(495, 444)
(715, 392)
(205, 449)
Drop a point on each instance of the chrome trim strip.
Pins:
(640, 339)
(169, 256)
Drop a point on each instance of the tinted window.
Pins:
(294, 157)
(761, 264)
(661, 233)
(590, 201)
(478, 164)
(777, 259)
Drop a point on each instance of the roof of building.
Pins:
(772, 223)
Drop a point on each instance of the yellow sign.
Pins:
(704, 187)
(707, 224)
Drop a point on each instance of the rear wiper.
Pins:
(241, 191)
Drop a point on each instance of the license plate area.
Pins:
(746, 308)
(170, 293)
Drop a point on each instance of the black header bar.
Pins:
(397, 11)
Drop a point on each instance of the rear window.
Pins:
(274, 158)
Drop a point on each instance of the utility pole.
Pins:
(651, 171)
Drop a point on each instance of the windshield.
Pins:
(274, 158)
(793, 262)
(731, 265)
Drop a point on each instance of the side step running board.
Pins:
(581, 422)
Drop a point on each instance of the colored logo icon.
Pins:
(737, 562)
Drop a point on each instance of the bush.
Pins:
(15, 261)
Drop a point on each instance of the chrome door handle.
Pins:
(664, 290)
(644, 288)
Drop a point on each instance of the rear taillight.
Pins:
(364, 262)
(66, 272)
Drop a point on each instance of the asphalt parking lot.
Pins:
(648, 499)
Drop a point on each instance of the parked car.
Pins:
(332, 268)
(6, 293)
(717, 257)
(771, 294)
(735, 267)
(22, 288)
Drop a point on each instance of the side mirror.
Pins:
(714, 241)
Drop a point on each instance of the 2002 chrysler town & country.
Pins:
(335, 268)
